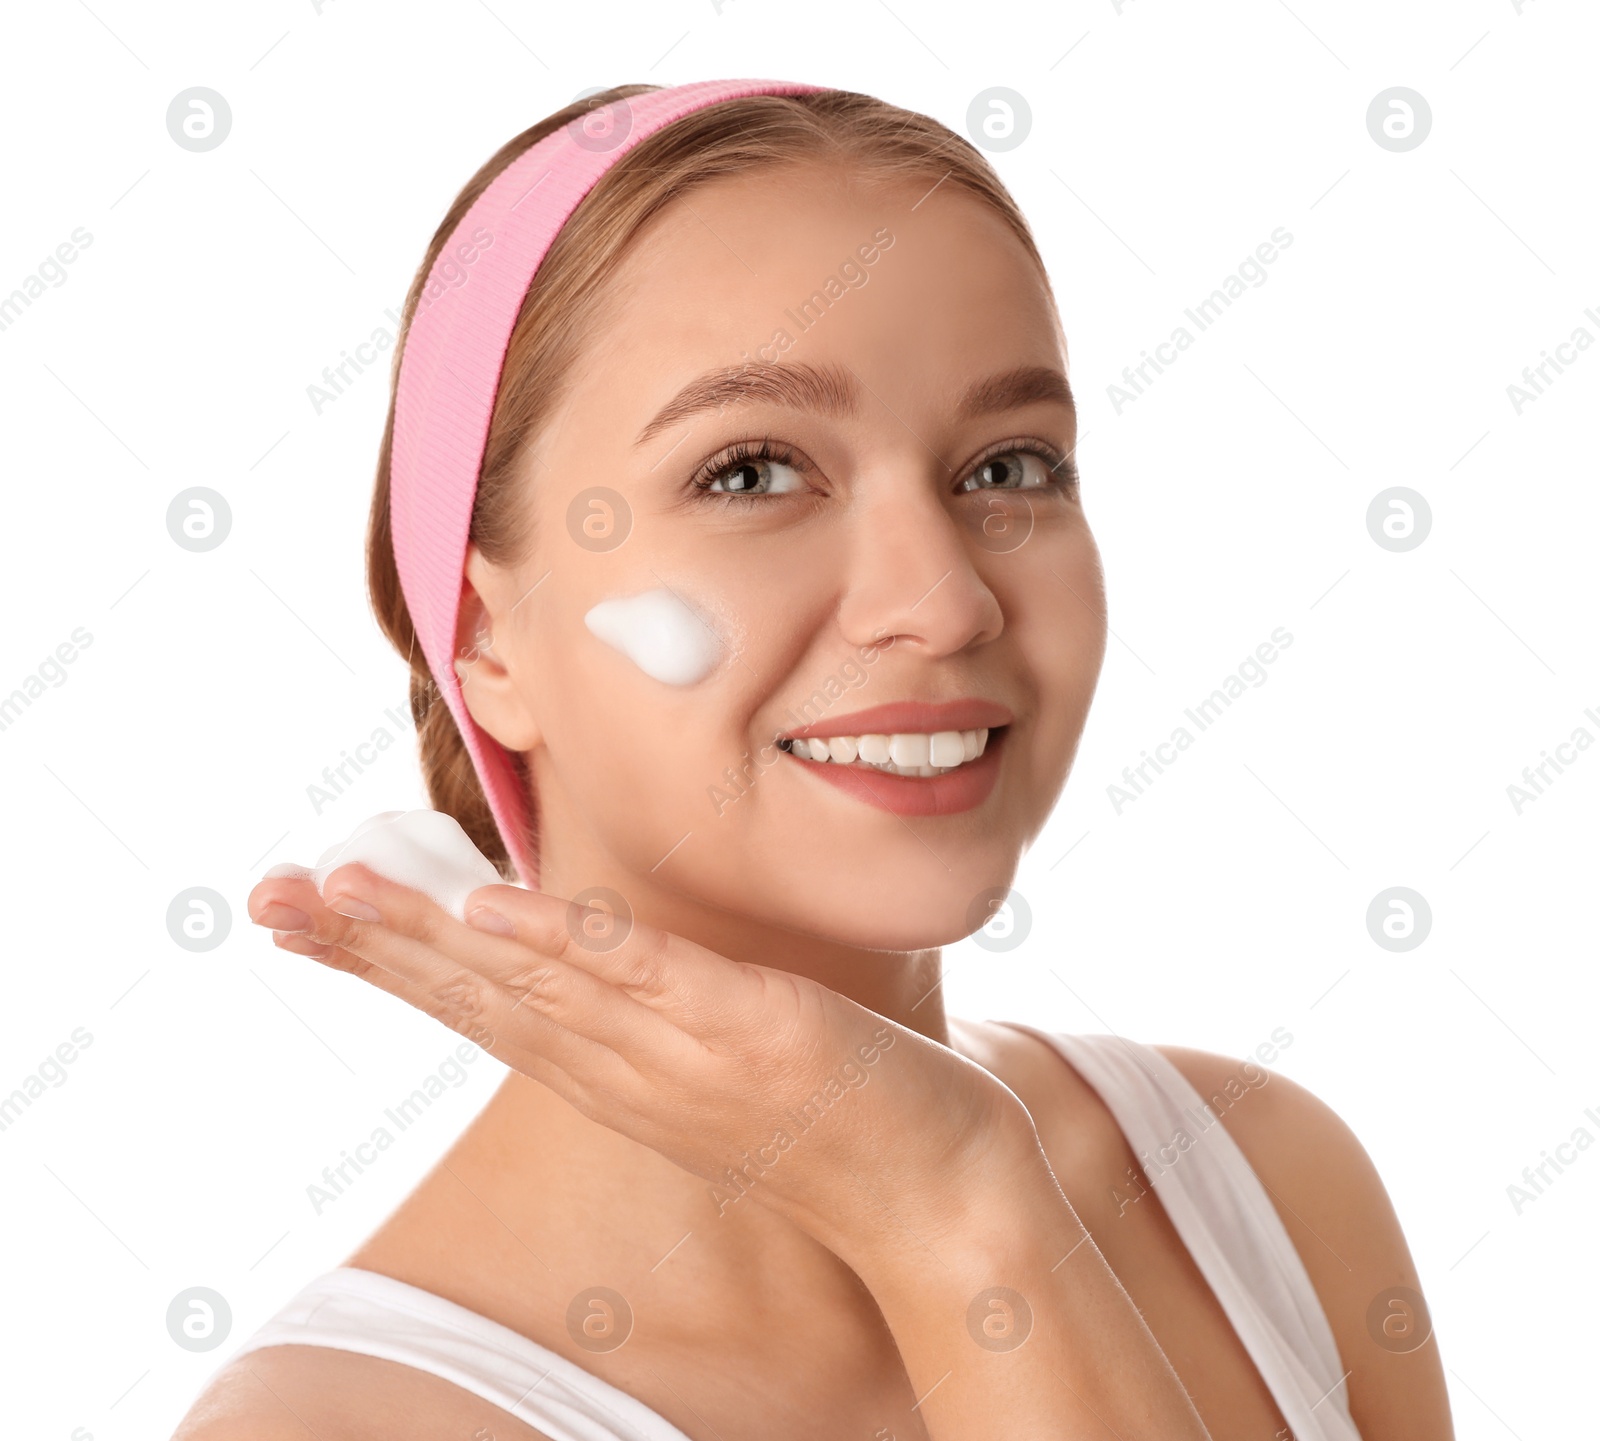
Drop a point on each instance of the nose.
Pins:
(912, 577)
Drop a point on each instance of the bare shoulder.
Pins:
(1335, 1207)
(1077, 1132)
(317, 1393)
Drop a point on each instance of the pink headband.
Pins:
(450, 373)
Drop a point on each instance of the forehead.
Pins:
(913, 282)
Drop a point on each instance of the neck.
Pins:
(901, 986)
(536, 1199)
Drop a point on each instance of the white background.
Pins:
(1167, 141)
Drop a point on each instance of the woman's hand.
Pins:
(915, 1166)
(871, 1137)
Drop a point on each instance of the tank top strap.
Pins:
(1225, 1217)
(352, 1309)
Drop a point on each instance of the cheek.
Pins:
(1086, 625)
(661, 634)
(646, 693)
(627, 757)
(1055, 603)
(1053, 591)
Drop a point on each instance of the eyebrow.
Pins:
(833, 390)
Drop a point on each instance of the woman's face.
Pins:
(914, 539)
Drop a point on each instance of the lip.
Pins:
(909, 717)
(959, 790)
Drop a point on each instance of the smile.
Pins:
(914, 758)
(905, 753)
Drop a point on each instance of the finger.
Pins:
(315, 950)
(335, 958)
(694, 987)
(484, 1026)
(303, 945)
(461, 975)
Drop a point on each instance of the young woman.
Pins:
(757, 641)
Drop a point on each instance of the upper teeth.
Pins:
(907, 753)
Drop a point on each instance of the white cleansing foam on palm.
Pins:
(424, 850)
(659, 633)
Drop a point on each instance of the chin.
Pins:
(883, 915)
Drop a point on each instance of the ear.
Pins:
(487, 670)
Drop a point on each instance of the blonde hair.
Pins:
(562, 306)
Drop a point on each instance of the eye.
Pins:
(756, 476)
(751, 469)
(1029, 466)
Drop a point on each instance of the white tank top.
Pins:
(1215, 1200)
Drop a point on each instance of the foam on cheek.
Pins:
(424, 850)
(658, 633)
